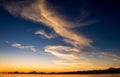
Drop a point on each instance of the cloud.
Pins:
(40, 11)
(69, 56)
(62, 26)
(62, 52)
(48, 36)
(17, 45)
(115, 59)
(102, 55)
(109, 54)
(113, 56)
(76, 64)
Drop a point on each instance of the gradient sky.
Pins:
(59, 35)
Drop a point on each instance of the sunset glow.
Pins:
(58, 36)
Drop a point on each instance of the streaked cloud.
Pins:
(44, 34)
(17, 45)
(40, 11)
(113, 56)
(115, 59)
(109, 54)
(76, 64)
(70, 57)
(61, 26)
(62, 52)
(103, 56)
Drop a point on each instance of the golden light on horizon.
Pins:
(49, 69)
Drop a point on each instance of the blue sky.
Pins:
(73, 35)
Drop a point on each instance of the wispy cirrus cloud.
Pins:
(69, 57)
(102, 55)
(62, 26)
(115, 59)
(17, 45)
(39, 11)
(62, 52)
(44, 34)
(78, 64)
(109, 54)
(113, 56)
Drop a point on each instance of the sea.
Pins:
(59, 75)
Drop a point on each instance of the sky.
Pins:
(68, 35)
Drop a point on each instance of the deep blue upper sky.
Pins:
(105, 30)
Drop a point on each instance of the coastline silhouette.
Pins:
(106, 71)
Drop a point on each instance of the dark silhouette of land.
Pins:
(107, 71)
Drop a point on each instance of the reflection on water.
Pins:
(60, 75)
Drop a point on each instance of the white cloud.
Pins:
(69, 56)
(61, 52)
(42, 32)
(40, 11)
(61, 26)
(17, 45)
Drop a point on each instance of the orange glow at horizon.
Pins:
(46, 70)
